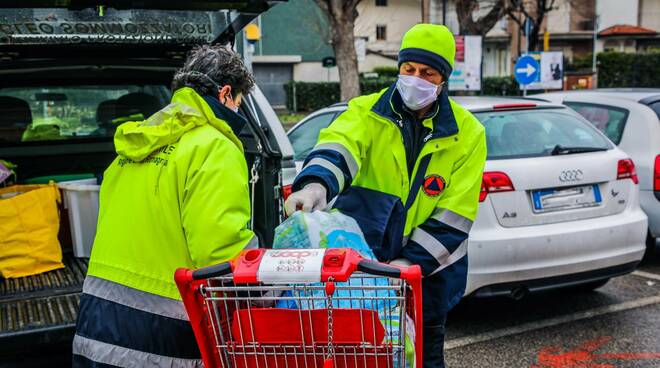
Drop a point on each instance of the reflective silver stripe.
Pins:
(458, 254)
(105, 353)
(405, 241)
(330, 166)
(134, 298)
(253, 243)
(350, 161)
(453, 219)
(431, 244)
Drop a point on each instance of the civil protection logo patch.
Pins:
(434, 185)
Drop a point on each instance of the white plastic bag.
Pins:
(305, 230)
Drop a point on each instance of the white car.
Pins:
(631, 119)
(559, 202)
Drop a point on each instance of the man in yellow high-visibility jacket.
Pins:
(175, 196)
(407, 164)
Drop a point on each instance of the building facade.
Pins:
(296, 39)
(630, 25)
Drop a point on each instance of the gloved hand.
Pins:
(310, 198)
(399, 262)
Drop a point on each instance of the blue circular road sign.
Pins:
(527, 70)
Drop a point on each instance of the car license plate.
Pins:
(546, 200)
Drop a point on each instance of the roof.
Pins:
(632, 94)
(626, 30)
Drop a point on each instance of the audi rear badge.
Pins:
(571, 175)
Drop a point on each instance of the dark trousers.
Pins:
(434, 344)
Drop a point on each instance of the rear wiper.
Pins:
(561, 150)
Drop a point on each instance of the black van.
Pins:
(68, 70)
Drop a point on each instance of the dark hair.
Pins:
(209, 67)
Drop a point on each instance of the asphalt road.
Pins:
(617, 325)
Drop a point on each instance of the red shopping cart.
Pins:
(305, 308)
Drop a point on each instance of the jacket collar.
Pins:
(444, 121)
(222, 112)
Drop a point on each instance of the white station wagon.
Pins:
(559, 201)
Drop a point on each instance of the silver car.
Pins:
(559, 203)
(631, 119)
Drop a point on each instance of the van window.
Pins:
(74, 112)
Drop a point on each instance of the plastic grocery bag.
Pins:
(29, 223)
(335, 230)
(304, 230)
(332, 230)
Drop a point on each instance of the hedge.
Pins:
(619, 69)
(386, 71)
(312, 96)
(500, 86)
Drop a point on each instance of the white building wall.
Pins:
(650, 14)
(372, 61)
(314, 72)
(398, 16)
(436, 14)
(559, 20)
(613, 12)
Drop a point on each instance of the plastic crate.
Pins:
(81, 199)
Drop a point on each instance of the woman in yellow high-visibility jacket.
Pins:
(175, 196)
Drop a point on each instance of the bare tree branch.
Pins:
(465, 10)
(536, 10)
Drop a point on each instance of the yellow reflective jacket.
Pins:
(423, 213)
(175, 196)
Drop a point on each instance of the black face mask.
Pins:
(222, 112)
(217, 88)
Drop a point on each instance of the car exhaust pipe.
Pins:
(519, 292)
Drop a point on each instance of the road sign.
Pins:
(527, 70)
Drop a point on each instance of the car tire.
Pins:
(593, 285)
(651, 248)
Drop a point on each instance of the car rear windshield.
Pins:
(108, 26)
(74, 112)
(608, 119)
(536, 133)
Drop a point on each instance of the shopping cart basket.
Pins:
(304, 308)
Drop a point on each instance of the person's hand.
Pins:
(310, 198)
(401, 263)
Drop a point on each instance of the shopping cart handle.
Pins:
(220, 269)
(379, 269)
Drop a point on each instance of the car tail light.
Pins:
(626, 170)
(286, 191)
(656, 174)
(495, 182)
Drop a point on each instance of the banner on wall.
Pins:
(466, 75)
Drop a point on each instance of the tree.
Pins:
(535, 10)
(465, 10)
(341, 15)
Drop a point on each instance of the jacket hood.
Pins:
(137, 140)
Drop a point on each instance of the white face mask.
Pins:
(416, 92)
